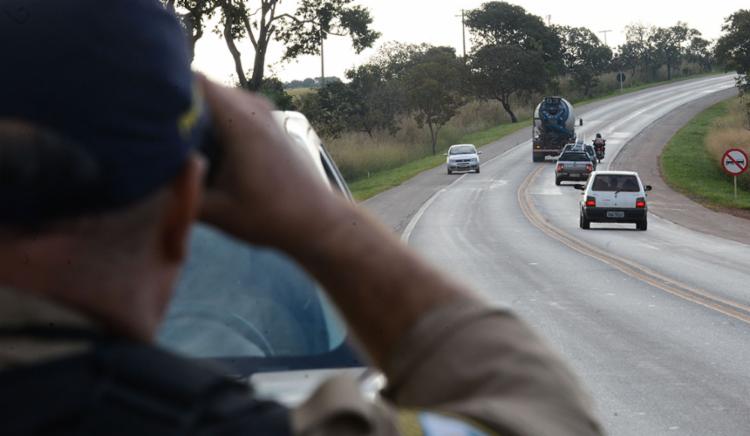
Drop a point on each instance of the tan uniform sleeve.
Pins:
(469, 362)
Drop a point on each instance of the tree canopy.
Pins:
(302, 31)
(585, 57)
(501, 72)
(432, 87)
(733, 48)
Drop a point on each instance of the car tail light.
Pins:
(640, 203)
(560, 168)
(590, 202)
(589, 168)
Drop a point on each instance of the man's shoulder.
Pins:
(134, 389)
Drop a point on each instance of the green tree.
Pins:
(500, 72)
(193, 14)
(432, 87)
(501, 23)
(274, 90)
(306, 30)
(639, 50)
(584, 56)
(377, 100)
(733, 50)
(700, 51)
(394, 58)
(671, 44)
(302, 31)
(629, 57)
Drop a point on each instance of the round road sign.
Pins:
(734, 162)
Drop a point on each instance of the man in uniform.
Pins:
(100, 120)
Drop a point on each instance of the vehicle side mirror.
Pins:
(479, 152)
(579, 187)
(445, 154)
(580, 122)
(649, 188)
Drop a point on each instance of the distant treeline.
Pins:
(310, 82)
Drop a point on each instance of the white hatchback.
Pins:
(614, 197)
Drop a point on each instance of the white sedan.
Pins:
(462, 158)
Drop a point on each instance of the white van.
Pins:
(614, 197)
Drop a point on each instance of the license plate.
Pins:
(615, 214)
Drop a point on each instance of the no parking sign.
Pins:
(734, 163)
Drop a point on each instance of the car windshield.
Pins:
(253, 309)
(615, 183)
(575, 157)
(464, 149)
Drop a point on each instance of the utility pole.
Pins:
(605, 32)
(549, 20)
(463, 30)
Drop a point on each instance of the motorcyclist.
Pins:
(600, 146)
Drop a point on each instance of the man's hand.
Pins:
(265, 192)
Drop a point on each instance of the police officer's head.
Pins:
(99, 182)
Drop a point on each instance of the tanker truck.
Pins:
(554, 127)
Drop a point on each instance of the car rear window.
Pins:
(574, 157)
(467, 149)
(616, 183)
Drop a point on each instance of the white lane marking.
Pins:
(620, 135)
(417, 216)
(547, 191)
(498, 184)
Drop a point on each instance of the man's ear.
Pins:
(181, 209)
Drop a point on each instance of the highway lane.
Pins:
(655, 362)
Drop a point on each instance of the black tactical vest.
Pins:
(128, 389)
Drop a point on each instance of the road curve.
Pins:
(655, 323)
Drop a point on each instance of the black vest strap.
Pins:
(130, 389)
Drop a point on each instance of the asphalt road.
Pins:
(655, 323)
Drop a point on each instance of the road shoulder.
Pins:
(642, 154)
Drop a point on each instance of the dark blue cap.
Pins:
(113, 77)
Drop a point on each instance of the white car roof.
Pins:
(303, 135)
(460, 145)
(616, 173)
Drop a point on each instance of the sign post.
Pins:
(735, 163)
(621, 78)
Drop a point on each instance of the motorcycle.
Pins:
(600, 150)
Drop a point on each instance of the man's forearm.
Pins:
(380, 286)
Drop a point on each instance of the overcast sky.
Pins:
(439, 23)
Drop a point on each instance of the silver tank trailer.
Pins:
(554, 126)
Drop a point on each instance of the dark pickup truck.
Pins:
(573, 165)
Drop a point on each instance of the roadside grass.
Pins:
(378, 182)
(690, 167)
